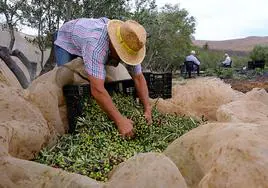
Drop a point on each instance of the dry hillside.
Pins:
(243, 44)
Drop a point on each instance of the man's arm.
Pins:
(98, 91)
(142, 90)
(196, 61)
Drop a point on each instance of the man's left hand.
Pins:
(148, 116)
(142, 90)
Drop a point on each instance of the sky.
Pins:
(222, 19)
(226, 19)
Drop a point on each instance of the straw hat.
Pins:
(193, 52)
(128, 39)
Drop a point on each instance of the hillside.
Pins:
(241, 45)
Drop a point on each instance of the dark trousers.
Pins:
(191, 66)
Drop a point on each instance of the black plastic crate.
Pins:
(159, 84)
(256, 64)
(125, 87)
(76, 90)
(160, 95)
(259, 64)
(147, 76)
(75, 95)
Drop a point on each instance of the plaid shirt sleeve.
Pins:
(134, 70)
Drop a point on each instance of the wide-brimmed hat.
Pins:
(128, 38)
(193, 52)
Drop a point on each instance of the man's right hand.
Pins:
(125, 127)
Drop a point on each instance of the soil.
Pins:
(247, 85)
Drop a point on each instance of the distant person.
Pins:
(227, 62)
(192, 63)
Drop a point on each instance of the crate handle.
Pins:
(120, 85)
(80, 90)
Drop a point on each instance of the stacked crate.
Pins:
(125, 87)
(159, 84)
(256, 64)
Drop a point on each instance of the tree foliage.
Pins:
(113, 9)
(169, 29)
(259, 53)
(169, 34)
(13, 13)
(45, 17)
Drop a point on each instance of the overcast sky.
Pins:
(223, 19)
(226, 19)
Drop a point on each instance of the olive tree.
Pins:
(259, 53)
(13, 13)
(105, 8)
(169, 35)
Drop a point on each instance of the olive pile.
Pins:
(96, 146)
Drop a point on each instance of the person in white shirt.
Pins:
(227, 62)
(192, 63)
(192, 58)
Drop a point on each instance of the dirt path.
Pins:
(247, 85)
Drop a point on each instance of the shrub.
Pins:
(259, 53)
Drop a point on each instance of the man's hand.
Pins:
(125, 127)
(142, 89)
(148, 116)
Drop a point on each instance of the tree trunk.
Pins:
(40, 35)
(31, 66)
(148, 64)
(40, 48)
(5, 56)
(69, 12)
(12, 36)
(42, 58)
(51, 62)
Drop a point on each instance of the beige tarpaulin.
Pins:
(23, 128)
(198, 98)
(149, 170)
(223, 155)
(7, 77)
(32, 118)
(251, 108)
(230, 154)
(80, 76)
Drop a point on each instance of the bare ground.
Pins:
(247, 85)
